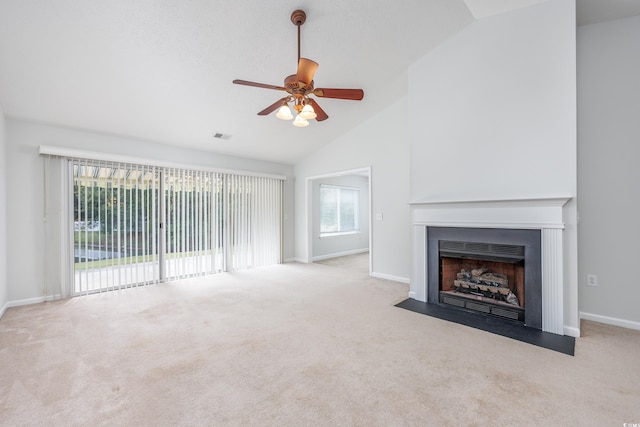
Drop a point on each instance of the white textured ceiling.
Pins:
(485, 8)
(161, 70)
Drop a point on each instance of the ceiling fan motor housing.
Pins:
(291, 82)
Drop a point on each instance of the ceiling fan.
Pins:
(300, 86)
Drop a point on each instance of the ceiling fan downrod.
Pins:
(298, 17)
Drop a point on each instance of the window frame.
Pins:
(356, 229)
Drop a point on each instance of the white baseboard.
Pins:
(302, 260)
(290, 260)
(570, 331)
(390, 277)
(629, 324)
(412, 295)
(339, 254)
(30, 301)
(3, 310)
(27, 301)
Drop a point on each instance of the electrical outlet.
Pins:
(592, 280)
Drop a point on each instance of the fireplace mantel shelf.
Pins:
(542, 201)
(532, 213)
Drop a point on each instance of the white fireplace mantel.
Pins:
(512, 213)
(544, 214)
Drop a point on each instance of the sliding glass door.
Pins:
(115, 225)
(135, 225)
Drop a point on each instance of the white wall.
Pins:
(332, 246)
(382, 143)
(608, 170)
(25, 190)
(4, 293)
(492, 115)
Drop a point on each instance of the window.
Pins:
(338, 210)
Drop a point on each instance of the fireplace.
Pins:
(496, 272)
(528, 232)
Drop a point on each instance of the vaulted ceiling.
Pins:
(162, 70)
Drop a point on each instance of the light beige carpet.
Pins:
(295, 345)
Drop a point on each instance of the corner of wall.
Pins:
(368, 145)
(608, 92)
(3, 216)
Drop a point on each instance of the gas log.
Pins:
(481, 282)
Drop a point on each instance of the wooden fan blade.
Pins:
(273, 107)
(320, 114)
(353, 94)
(306, 70)
(262, 85)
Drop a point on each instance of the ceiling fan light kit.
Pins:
(300, 122)
(307, 112)
(284, 112)
(300, 86)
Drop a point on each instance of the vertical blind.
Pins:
(115, 241)
(192, 223)
(135, 225)
(255, 218)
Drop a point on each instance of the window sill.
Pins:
(339, 233)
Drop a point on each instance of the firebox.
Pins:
(483, 277)
(496, 272)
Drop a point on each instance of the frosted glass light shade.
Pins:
(307, 112)
(284, 112)
(300, 121)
